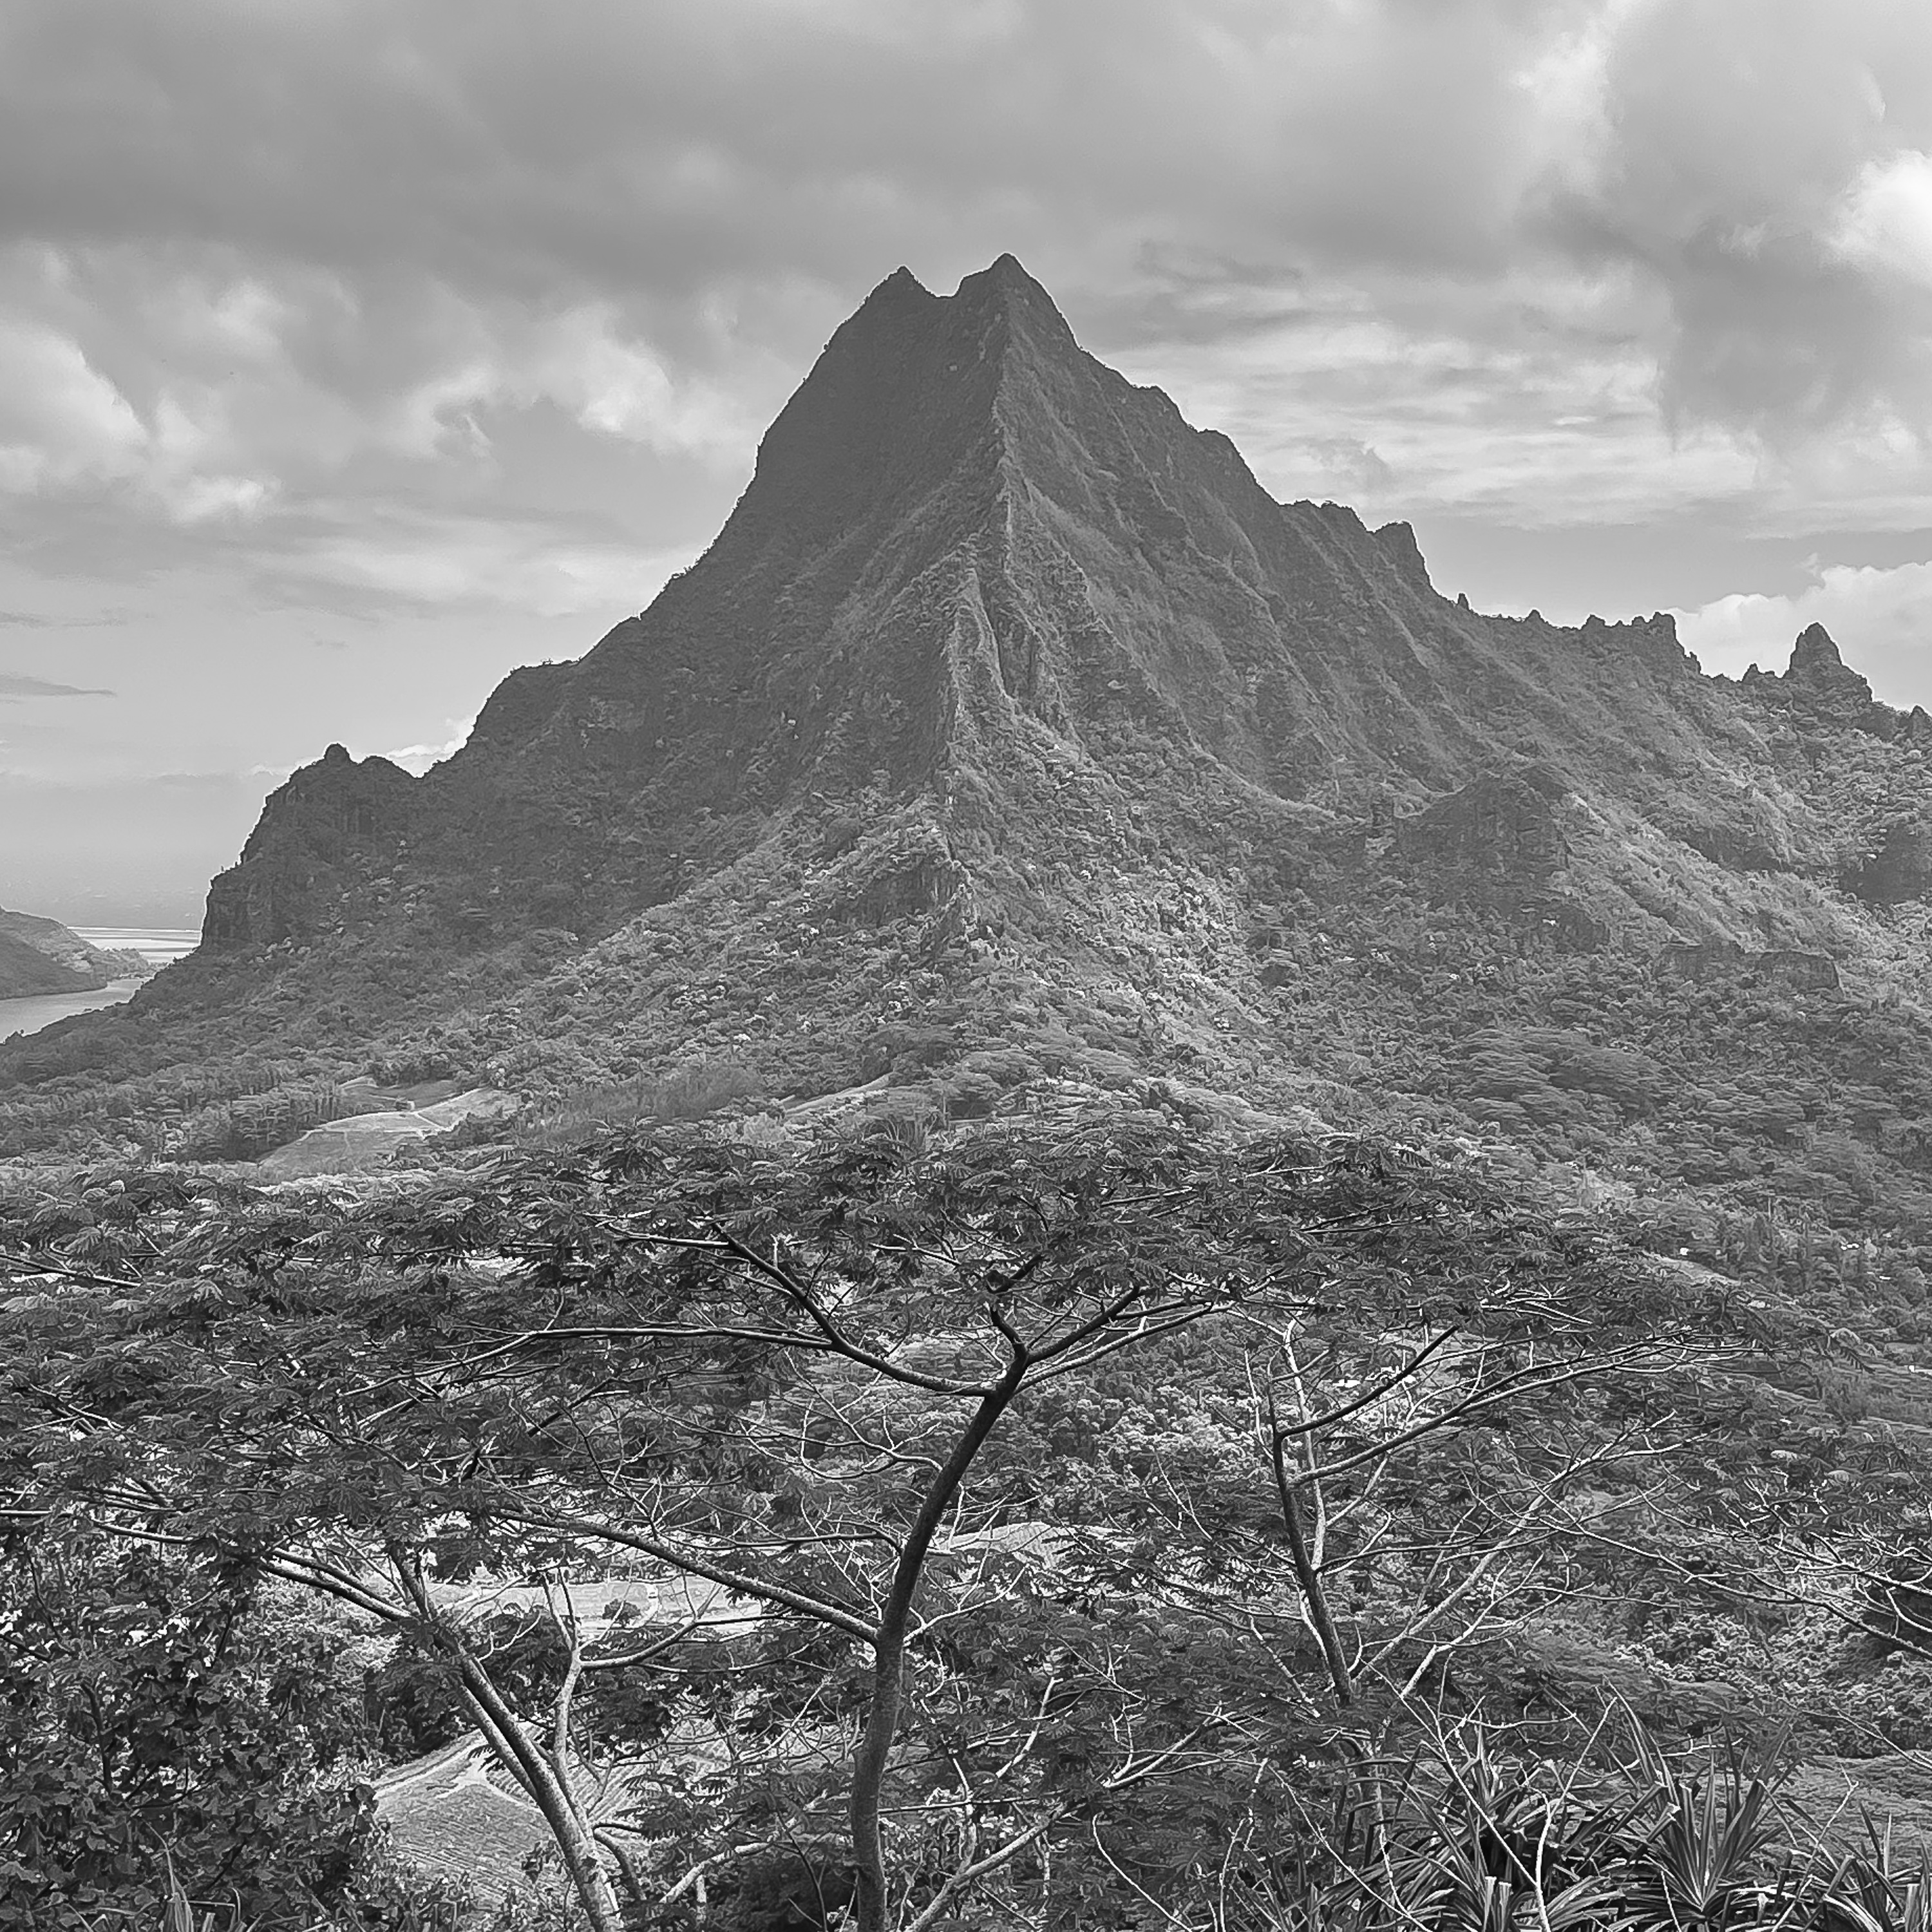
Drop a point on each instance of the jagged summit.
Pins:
(1819, 675)
(1005, 272)
(1813, 652)
(1006, 283)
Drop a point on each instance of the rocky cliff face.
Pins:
(300, 862)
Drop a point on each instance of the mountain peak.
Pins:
(900, 286)
(1814, 652)
(1005, 272)
(1004, 284)
(1004, 689)
(1817, 669)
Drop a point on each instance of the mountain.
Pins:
(40, 956)
(970, 552)
(1009, 732)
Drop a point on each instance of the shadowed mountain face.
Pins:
(1000, 668)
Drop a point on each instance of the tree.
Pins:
(159, 1719)
(892, 1415)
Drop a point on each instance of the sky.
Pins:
(353, 351)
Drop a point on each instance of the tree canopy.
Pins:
(1043, 1508)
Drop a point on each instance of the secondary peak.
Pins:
(1814, 651)
(900, 286)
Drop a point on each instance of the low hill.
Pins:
(40, 956)
(25, 970)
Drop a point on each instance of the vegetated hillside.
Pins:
(1009, 730)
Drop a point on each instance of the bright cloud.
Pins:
(452, 563)
(65, 426)
(61, 420)
(1882, 618)
(1886, 221)
(419, 758)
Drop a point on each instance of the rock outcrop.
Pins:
(1703, 961)
(1899, 869)
(1502, 834)
(1817, 667)
(1818, 685)
(291, 880)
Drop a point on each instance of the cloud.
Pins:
(437, 561)
(65, 423)
(370, 305)
(696, 171)
(60, 419)
(1885, 222)
(582, 359)
(47, 620)
(13, 686)
(419, 758)
(1754, 168)
(1881, 618)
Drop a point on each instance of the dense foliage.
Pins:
(1046, 1511)
(164, 1722)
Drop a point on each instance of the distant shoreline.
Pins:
(159, 945)
(35, 1011)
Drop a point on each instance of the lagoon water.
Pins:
(159, 946)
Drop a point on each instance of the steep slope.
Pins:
(1009, 726)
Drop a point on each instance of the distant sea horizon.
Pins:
(159, 945)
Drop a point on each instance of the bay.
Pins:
(159, 946)
(41, 1009)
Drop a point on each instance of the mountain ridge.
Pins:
(1024, 699)
(937, 504)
